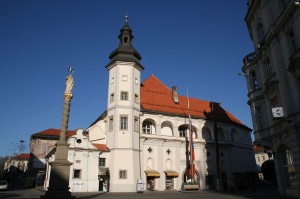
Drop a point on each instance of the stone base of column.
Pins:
(59, 176)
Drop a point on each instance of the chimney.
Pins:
(174, 94)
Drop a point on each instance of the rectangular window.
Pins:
(136, 81)
(254, 80)
(112, 81)
(146, 128)
(274, 101)
(111, 99)
(123, 123)
(293, 40)
(102, 162)
(258, 116)
(77, 174)
(111, 124)
(136, 124)
(182, 133)
(124, 95)
(136, 98)
(260, 32)
(268, 68)
(123, 174)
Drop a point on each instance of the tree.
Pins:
(2, 164)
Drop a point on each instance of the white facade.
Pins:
(153, 146)
(164, 150)
(84, 170)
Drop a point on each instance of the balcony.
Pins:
(249, 58)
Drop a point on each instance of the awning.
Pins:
(171, 173)
(152, 173)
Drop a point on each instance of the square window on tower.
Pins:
(124, 95)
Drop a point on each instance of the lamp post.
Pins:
(60, 167)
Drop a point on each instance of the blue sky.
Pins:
(197, 45)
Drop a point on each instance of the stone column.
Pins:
(60, 167)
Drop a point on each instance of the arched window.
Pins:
(233, 135)
(183, 130)
(206, 134)
(195, 133)
(289, 168)
(148, 127)
(167, 128)
(150, 163)
(221, 134)
(169, 164)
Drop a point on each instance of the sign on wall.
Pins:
(277, 112)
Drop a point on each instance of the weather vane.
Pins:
(70, 69)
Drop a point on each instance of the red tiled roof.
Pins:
(53, 133)
(157, 97)
(258, 149)
(23, 156)
(102, 147)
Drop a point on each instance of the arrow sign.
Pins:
(277, 112)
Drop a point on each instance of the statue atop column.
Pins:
(60, 167)
(69, 84)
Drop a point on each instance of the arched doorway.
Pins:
(286, 167)
(190, 183)
(187, 178)
(268, 170)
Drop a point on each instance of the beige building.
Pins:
(261, 156)
(41, 143)
(146, 127)
(15, 169)
(19, 162)
(273, 78)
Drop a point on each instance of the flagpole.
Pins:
(191, 142)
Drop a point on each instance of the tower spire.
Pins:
(125, 51)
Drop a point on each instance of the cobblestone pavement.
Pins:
(261, 192)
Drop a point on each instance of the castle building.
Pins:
(150, 128)
(272, 73)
